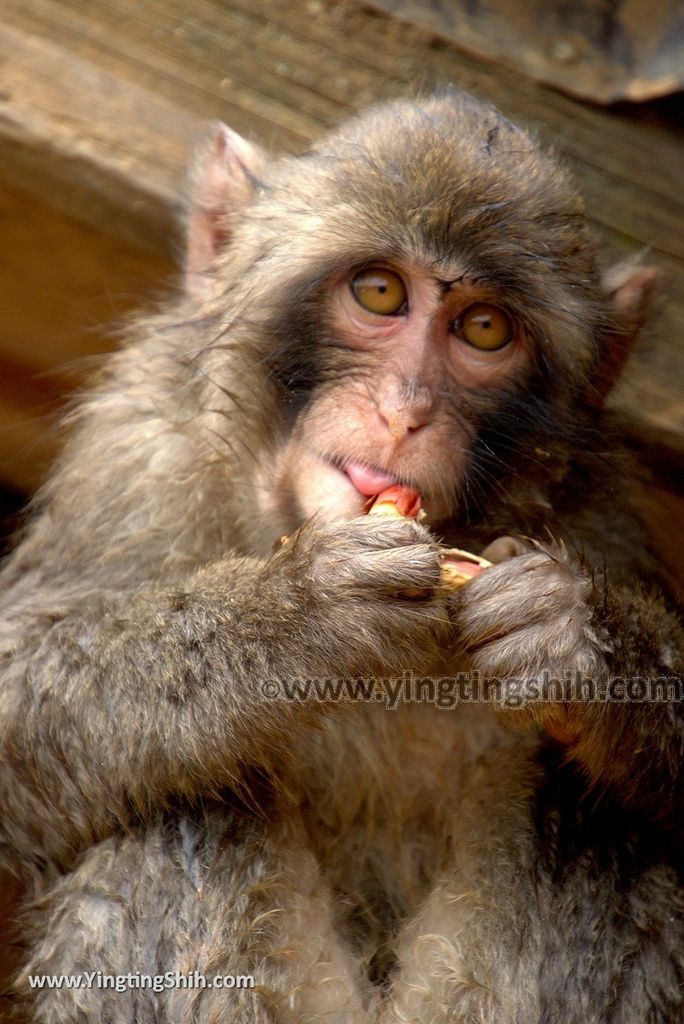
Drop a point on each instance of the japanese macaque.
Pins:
(418, 301)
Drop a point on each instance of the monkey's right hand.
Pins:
(371, 585)
(166, 690)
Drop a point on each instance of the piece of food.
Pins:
(398, 501)
(457, 566)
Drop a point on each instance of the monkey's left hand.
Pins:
(539, 618)
(530, 615)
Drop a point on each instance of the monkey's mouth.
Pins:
(366, 480)
(338, 485)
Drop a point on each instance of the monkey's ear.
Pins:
(225, 179)
(629, 288)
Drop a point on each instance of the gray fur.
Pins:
(416, 866)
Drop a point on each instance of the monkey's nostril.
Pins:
(402, 423)
(397, 428)
(413, 424)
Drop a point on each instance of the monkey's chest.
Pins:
(380, 794)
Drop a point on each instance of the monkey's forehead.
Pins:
(444, 177)
(444, 143)
(451, 117)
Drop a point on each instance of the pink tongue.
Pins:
(366, 480)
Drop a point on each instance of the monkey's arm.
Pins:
(632, 738)
(538, 620)
(115, 702)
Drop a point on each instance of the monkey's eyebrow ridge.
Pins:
(445, 285)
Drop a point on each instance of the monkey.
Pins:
(417, 299)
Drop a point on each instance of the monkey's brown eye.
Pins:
(485, 327)
(379, 291)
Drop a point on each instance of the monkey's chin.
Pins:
(321, 487)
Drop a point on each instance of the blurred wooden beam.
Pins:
(597, 51)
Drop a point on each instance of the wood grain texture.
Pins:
(101, 104)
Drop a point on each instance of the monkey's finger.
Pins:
(381, 534)
(541, 654)
(531, 589)
(398, 570)
(504, 548)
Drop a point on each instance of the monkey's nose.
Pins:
(401, 423)
(404, 405)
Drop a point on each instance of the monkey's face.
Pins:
(411, 362)
(422, 292)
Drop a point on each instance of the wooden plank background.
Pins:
(101, 105)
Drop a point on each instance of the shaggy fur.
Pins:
(418, 866)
